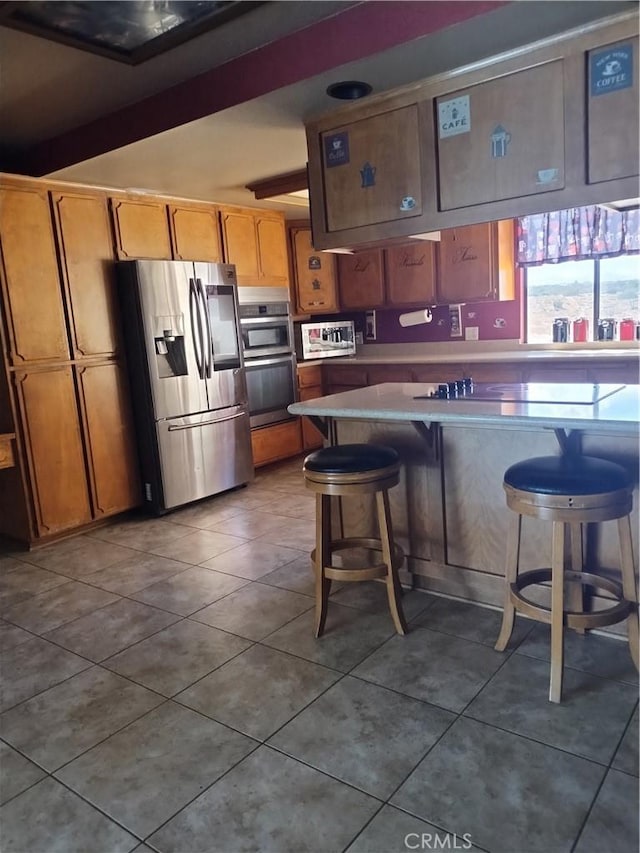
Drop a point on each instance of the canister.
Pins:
(561, 330)
(627, 329)
(606, 329)
(580, 329)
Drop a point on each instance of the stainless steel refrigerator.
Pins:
(187, 378)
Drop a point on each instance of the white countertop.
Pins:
(395, 401)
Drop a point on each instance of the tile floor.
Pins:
(162, 689)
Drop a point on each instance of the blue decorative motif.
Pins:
(336, 149)
(368, 175)
(500, 138)
(611, 69)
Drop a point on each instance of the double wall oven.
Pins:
(266, 331)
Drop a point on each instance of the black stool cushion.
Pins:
(567, 475)
(351, 458)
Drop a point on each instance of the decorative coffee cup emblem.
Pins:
(612, 67)
(368, 175)
(547, 176)
(499, 323)
(337, 143)
(408, 203)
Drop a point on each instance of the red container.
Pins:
(627, 329)
(580, 330)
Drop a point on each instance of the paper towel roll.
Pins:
(415, 318)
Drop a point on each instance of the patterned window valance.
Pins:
(576, 234)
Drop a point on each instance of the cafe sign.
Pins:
(611, 69)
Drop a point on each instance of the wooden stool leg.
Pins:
(393, 584)
(510, 574)
(576, 589)
(557, 612)
(323, 558)
(629, 583)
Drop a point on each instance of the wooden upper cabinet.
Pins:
(361, 279)
(32, 291)
(53, 445)
(241, 245)
(110, 437)
(468, 268)
(272, 250)
(141, 229)
(86, 261)
(411, 273)
(612, 111)
(503, 138)
(314, 275)
(256, 242)
(371, 170)
(195, 233)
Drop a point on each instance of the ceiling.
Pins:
(228, 108)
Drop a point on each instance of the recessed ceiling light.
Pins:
(349, 90)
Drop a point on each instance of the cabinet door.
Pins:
(361, 278)
(109, 434)
(141, 229)
(315, 275)
(195, 233)
(311, 435)
(411, 273)
(32, 291)
(612, 111)
(512, 139)
(240, 245)
(272, 251)
(468, 263)
(86, 254)
(371, 170)
(51, 430)
(281, 441)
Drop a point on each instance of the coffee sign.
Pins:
(454, 117)
(611, 69)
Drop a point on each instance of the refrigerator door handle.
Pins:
(208, 423)
(195, 317)
(207, 362)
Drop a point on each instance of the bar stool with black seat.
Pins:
(570, 490)
(341, 471)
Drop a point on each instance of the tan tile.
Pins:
(33, 667)
(52, 608)
(293, 533)
(175, 658)
(77, 557)
(252, 497)
(11, 636)
(135, 573)
(172, 751)
(64, 823)
(109, 630)
(17, 773)
(63, 722)
(141, 534)
(296, 506)
(198, 545)
(253, 559)
(189, 591)
(8, 563)
(254, 611)
(203, 515)
(24, 581)
(251, 524)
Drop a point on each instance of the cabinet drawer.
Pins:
(281, 441)
(308, 376)
(352, 376)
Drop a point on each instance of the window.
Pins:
(605, 288)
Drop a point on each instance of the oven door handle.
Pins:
(265, 362)
(275, 319)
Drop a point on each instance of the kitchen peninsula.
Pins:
(449, 511)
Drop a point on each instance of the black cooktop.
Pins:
(571, 394)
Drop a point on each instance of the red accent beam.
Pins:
(362, 30)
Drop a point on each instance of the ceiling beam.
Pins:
(280, 185)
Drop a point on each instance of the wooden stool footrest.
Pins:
(380, 570)
(572, 619)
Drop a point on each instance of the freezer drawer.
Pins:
(204, 454)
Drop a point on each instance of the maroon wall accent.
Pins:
(495, 321)
(360, 31)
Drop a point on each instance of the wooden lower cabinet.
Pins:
(310, 388)
(280, 441)
(53, 449)
(110, 440)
